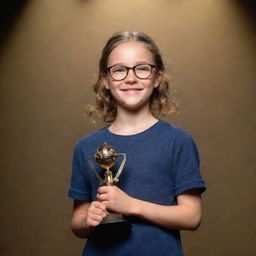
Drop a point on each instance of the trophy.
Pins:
(106, 157)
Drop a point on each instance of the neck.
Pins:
(130, 122)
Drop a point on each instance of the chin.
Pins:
(133, 106)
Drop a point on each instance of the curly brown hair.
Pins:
(161, 102)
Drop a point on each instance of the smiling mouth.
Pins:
(131, 89)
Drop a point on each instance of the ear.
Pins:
(105, 82)
(158, 79)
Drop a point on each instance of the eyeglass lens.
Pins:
(142, 71)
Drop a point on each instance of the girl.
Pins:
(160, 187)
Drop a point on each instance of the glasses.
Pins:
(142, 71)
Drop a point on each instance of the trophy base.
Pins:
(113, 218)
(113, 229)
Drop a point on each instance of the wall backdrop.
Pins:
(49, 53)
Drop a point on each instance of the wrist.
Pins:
(135, 209)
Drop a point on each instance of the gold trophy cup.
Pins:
(106, 157)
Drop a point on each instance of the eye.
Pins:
(143, 68)
(118, 69)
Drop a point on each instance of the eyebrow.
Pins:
(136, 63)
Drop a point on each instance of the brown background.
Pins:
(49, 54)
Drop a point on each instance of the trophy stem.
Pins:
(108, 178)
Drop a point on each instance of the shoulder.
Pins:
(177, 133)
(177, 137)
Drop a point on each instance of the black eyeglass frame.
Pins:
(152, 66)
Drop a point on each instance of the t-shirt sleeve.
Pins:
(186, 164)
(80, 187)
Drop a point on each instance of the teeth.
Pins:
(132, 89)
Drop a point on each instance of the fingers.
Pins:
(102, 197)
(104, 189)
(106, 193)
(98, 206)
(95, 214)
(114, 199)
(103, 193)
(108, 190)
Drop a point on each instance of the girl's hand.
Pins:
(95, 214)
(115, 199)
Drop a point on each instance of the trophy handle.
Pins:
(92, 166)
(116, 179)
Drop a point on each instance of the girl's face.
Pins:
(132, 93)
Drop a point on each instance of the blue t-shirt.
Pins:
(162, 162)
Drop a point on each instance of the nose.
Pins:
(131, 77)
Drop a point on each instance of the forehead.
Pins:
(130, 53)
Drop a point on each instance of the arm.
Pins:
(86, 216)
(185, 215)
